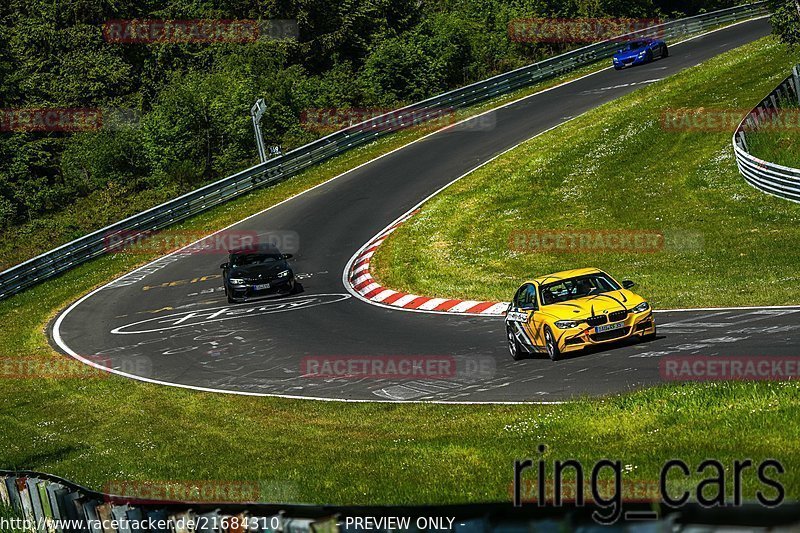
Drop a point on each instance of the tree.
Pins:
(786, 20)
(400, 70)
(199, 126)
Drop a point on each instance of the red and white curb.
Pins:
(364, 285)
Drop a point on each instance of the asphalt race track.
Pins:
(169, 322)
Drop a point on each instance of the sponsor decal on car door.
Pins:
(523, 317)
(521, 321)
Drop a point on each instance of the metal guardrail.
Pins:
(51, 504)
(767, 177)
(58, 260)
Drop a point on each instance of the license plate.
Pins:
(609, 327)
(261, 287)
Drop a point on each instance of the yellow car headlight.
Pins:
(566, 324)
(641, 308)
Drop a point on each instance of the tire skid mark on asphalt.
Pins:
(731, 336)
(743, 318)
(230, 312)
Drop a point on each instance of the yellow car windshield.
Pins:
(579, 287)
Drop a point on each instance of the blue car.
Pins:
(639, 53)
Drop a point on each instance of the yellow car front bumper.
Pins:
(635, 325)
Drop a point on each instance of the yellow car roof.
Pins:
(564, 274)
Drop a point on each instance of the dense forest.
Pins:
(186, 105)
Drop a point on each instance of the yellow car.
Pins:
(570, 310)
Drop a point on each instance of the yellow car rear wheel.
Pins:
(513, 345)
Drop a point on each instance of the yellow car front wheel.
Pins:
(551, 344)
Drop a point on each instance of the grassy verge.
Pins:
(102, 430)
(617, 168)
(780, 145)
(95, 431)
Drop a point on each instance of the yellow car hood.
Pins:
(599, 304)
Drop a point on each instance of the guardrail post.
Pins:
(783, 91)
(256, 112)
(796, 78)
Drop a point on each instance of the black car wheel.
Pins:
(551, 344)
(664, 51)
(292, 288)
(513, 345)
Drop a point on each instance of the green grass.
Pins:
(778, 145)
(617, 168)
(9, 517)
(95, 431)
(102, 430)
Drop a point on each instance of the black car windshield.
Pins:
(239, 260)
(578, 287)
(635, 45)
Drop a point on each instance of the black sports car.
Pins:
(257, 271)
